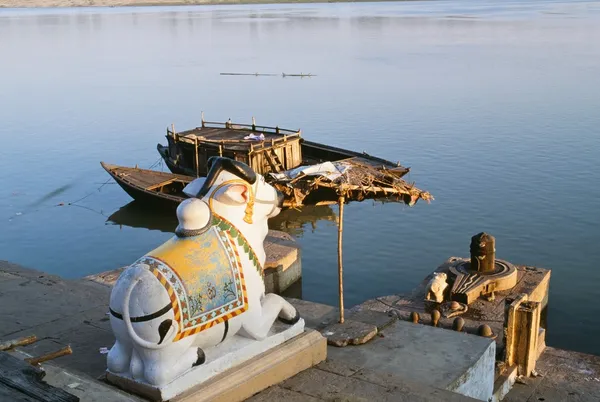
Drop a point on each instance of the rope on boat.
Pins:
(158, 162)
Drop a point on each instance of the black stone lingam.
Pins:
(483, 274)
(483, 253)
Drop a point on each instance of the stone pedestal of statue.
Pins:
(238, 367)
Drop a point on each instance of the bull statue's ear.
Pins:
(236, 194)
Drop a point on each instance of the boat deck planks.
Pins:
(233, 137)
(149, 185)
(147, 179)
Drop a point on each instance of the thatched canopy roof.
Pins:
(355, 179)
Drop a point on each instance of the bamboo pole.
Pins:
(13, 343)
(196, 155)
(340, 266)
(40, 359)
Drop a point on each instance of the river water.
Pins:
(494, 106)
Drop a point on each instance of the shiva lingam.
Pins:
(483, 274)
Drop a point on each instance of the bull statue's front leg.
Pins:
(258, 321)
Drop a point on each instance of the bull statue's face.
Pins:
(268, 201)
(260, 201)
(232, 189)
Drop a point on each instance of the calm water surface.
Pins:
(493, 105)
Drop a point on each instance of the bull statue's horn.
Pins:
(217, 164)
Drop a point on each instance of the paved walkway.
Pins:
(563, 376)
(61, 312)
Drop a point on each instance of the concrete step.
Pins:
(333, 381)
(434, 357)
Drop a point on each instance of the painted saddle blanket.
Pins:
(203, 277)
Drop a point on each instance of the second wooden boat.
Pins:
(149, 186)
(265, 149)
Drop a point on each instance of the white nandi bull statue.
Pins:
(202, 286)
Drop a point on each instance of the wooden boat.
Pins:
(274, 152)
(146, 186)
(264, 149)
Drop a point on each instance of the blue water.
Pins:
(494, 105)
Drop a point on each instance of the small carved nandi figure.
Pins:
(436, 287)
(202, 286)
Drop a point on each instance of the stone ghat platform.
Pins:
(403, 362)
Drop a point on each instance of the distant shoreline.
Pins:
(147, 3)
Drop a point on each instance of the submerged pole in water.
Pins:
(196, 154)
(340, 266)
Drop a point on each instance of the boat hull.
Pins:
(173, 167)
(136, 190)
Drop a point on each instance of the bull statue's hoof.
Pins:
(201, 358)
(292, 321)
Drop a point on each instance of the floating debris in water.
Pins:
(301, 75)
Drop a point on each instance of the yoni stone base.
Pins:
(219, 359)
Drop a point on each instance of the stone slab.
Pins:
(316, 315)
(281, 250)
(272, 367)
(373, 386)
(276, 393)
(562, 376)
(431, 356)
(504, 383)
(279, 280)
(376, 318)
(349, 333)
(233, 352)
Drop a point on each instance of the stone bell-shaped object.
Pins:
(483, 274)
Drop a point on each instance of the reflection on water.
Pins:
(292, 221)
(297, 221)
(138, 215)
(494, 106)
